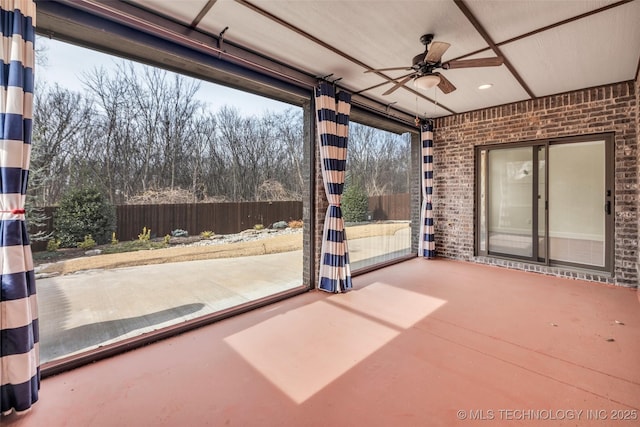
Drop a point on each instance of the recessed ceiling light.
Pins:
(485, 86)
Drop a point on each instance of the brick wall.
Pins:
(321, 206)
(638, 182)
(611, 108)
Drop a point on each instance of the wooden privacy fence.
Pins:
(390, 207)
(223, 218)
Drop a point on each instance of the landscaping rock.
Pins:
(46, 275)
(92, 252)
(280, 225)
(180, 233)
(248, 235)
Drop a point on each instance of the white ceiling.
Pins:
(546, 49)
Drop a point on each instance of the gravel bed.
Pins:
(245, 236)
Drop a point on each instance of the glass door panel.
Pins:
(482, 209)
(542, 198)
(576, 203)
(510, 201)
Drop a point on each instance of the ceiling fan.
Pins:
(424, 64)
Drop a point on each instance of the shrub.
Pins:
(295, 224)
(84, 212)
(114, 241)
(145, 235)
(355, 204)
(167, 239)
(207, 234)
(36, 220)
(53, 245)
(87, 243)
(258, 227)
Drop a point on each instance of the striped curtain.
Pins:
(19, 359)
(332, 122)
(427, 245)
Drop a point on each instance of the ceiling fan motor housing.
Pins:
(419, 58)
(426, 39)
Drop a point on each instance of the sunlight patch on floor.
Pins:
(390, 304)
(304, 350)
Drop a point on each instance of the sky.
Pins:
(66, 63)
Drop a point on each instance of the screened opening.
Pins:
(203, 186)
(548, 202)
(376, 203)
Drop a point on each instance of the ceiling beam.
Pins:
(331, 48)
(202, 13)
(565, 21)
(480, 29)
(375, 86)
(547, 27)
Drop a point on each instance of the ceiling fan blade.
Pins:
(399, 84)
(445, 85)
(436, 50)
(388, 69)
(470, 63)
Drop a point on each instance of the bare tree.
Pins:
(145, 119)
(290, 134)
(140, 130)
(117, 131)
(61, 123)
(378, 160)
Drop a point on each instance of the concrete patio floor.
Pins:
(88, 309)
(420, 343)
(84, 310)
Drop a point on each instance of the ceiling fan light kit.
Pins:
(428, 81)
(424, 65)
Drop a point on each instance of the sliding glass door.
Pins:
(548, 201)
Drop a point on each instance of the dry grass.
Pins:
(375, 229)
(275, 244)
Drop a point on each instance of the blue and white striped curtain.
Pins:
(332, 122)
(427, 245)
(19, 358)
